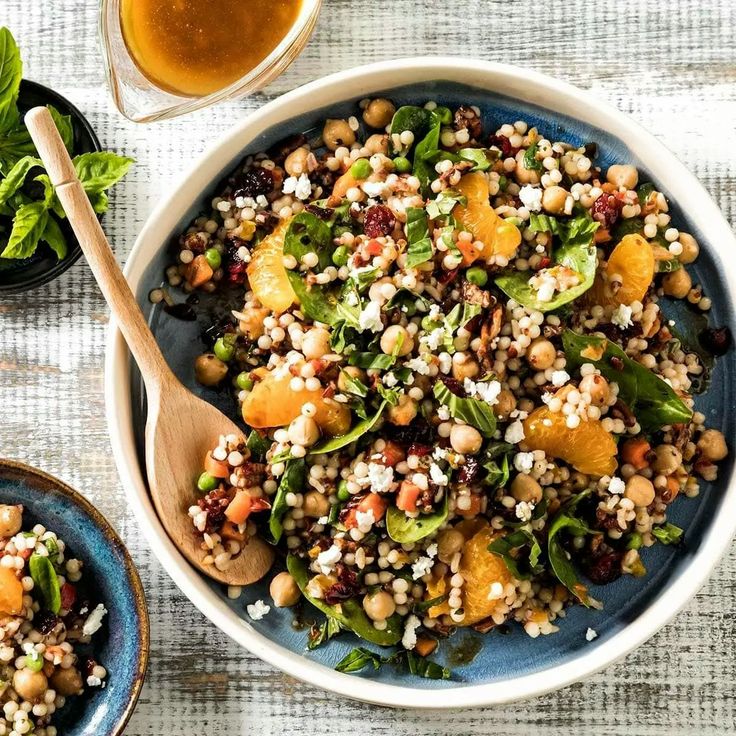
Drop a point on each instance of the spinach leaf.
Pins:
(530, 158)
(99, 170)
(418, 120)
(406, 300)
(258, 444)
(407, 530)
(424, 153)
(425, 125)
(45, 582)
(53, 548)
(419, 248)
(359, 658)
(349, 613)
(476, 413)
(668, 533)
(64, 126)
(577, 252)
(16, 176)
(292, 481)
(55, 239)
(520, 551)
(481, 158)
(444, 203)
(354, 385)
(28, 226)
(319, 634)
(372, 361)
(653, 402)
(423, 667)
(11, 72)
(336, 443)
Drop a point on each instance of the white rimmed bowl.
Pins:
(510, 667)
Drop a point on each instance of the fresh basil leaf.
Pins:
(99, 202)
(391, 395)
(46, 582)
(99, 170)
(424, 606)
(354, 385)
(292, 481)
(55, 239)
(668, 533)
(13, 146)
(424, 667)
(66, 131)
(650, 398)
(644, 191)
(424, 152)
(444, 203)
(407, 530)
(349, 613)
(371, 361)
(407, 300)
(481, 158)
(342, 335)
(16, 176)
(419, 248)
(319, 634)
(337, 443)
(476, 413)
(530, 158)
(258, 444)
(28, 226)
(11, 72)
(460, 315)
(358, 659)
(497, 475)
(521, 551)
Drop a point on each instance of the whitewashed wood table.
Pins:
(671, 64)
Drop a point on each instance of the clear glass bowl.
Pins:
(142, 101)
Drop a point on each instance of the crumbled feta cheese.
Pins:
(434, 338)
(374, 188)
(524, 461)
(409, 640)
(591, 634)
(257, 610)
(524, 511)
(621, 316)
(94, 620)
(380, 477)
(432, 550)
(440, 453)
(370, 318)
(531, 197)
(93, 681)
(365, 520)
(421, 567)
(434, 312)
(328, 559)
(437, 476)
(300, 187)
(616, 486)
(514, 433)
(560, 378)
(418, 365)
(443, 413)
(389, 380)
(487, 391)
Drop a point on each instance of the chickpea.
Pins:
(404, 412)
(377, 143)
(354, 372)
(506, 403)
(623, 175)
(677, 283)
(316, 505)
(378, 112)
(296, 162)
(337, 133)
(464, 366)
(465, 439)
(668, 459)
(252, 323)
(526, 488)
(390, 338)
(690, 248)
(11, 519)
(449, 543)
(597, 387)
(553, 200)
(284, 590)
(316, 343)
(31, 686)
(541, 354)
(303, 431)
(640, 490)
(209, 370)
(712, 445)
(67, 682)
(524, 175)
(379, 606)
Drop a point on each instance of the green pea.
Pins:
(429, 324)
(224, 349)
(343, 493)
(503, 182)
(340, 256)
(361, 169)
(34, 662)
(213, 258)
(635, 541)
(477, 276)
(244, 381)
(402, 164)
(206, 482)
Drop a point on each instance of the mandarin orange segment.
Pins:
(11, 593)
(498, 236)
(437, 587)
(589, 448)
(633, 261)
(266, 273)
(480, 570)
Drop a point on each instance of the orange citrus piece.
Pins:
(633, 260)
(478, 217)
(11, 593)
(266, 273)
(589, 448)
(273, 403)
(435, 588)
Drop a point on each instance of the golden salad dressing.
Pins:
(196, 47)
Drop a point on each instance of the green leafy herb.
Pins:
(407, 530)
(28, 226)
(653, 402)
(424, 606)
(16, 176)
(66, 131)
(497, 475)
(668, 533)
(530, 158)
(46, 582)
(371, 361)
(336, 443)
(354, 385)
(444, 203)
(520, 551)
(481, 158)
(419, 248)
(258, 444)
(292, 481)
(424, 667)
(11, 72)
(319, 634)
(360, 658)
(476, 413)
(391, 395)
(460, 315)
(99, 170)
(53, 548)
(55, 239)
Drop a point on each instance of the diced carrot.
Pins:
(425, 646)
(238, 510)
(634, 452)
(392, 454)
(673, 486)
(407, 497)
(377, 504)
(199, 271)
(373, 248)
(474, 509)
(345, 182)
(216, 468)
(469, 251)
(602, 235)
(231, 531)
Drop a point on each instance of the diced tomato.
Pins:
(216, 468)
(68, 596)
(239, 508)
(374, 502)
(407, 497)
(392, 454)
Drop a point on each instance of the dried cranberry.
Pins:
(68, 596)
(254, 182)
(87, 665)
(378, 221)
(418, 449)
(347, 585)
(417, 432)
(502, 142)
(235, 266)
(605, 569)
(323, 213)
(606, 210)
(215, 503)
(716, 340)
(454, 385)
(470, 471)
(45, 621)
(448, 276)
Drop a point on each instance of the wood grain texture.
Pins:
(671, 64)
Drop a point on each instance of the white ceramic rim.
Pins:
(355, 84)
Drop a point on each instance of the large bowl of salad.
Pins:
(477, 335)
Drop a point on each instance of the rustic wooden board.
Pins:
(669, 63)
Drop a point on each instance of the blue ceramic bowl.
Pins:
(122, 643)
(506, 667)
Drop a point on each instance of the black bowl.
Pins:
(43, 265)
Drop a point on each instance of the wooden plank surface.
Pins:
(671, 64)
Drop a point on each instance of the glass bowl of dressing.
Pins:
(168, 57)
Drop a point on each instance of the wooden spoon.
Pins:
(180, 428)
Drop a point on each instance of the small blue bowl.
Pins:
(123, 642)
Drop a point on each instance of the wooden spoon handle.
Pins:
(95, 246)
